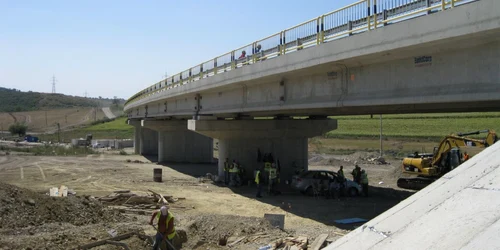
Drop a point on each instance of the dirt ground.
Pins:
(207, 212)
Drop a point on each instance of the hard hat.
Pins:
(164, 210)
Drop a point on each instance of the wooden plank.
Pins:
(318, 242)
(161, 196)
(117, 243)
(139, 200)
(108, 199)
(102, 242)
(121, 191)
(236, 241)
(340, 234)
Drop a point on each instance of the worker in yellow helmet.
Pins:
(259, 180)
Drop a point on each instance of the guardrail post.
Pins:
(368, 20)
(452, 2)
(201, 71)
(253, 51)
(284, 43)
(443, 4)
(385, 13)
(215, 66)
(180, 77)
(233, 62)
(349, 27)
(322, 29)
(317, 31)
(429, 5)
(190, 75)
(375, 13)
(281, 42)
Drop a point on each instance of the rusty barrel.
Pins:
(157, 174)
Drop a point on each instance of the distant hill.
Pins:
(13, 100)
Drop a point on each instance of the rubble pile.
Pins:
(21, 207)
(240, 232)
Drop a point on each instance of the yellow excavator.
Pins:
(451, 152)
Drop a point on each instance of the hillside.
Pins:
(13, 100)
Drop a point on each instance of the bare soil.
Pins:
(208, 211)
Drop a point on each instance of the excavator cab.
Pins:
(451, 159)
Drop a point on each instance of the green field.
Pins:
(408, 127)
(116, 129)
(419, 126)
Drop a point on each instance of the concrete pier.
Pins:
(148, 141)
(175, 143)
(242, 139)
(137, 134)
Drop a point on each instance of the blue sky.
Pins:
(116, 48)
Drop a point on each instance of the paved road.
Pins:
(108, 113)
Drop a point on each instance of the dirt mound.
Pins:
(21, 207)
(205, 230)
(326, 160)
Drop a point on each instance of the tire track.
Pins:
(14, 117)
(41, 171)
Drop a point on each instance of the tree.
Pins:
(116, 100)
(18, 128)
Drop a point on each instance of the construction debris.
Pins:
(319, 242)
(288, 243)
(114, 241)
(377, 160)
(62, 191)
(127, 202)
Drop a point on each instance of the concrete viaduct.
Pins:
(422, 56)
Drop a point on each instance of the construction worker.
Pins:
(340, 173)
(267, 168)
(241, 174)
(259, 179)
(356, 174)
(165, 229)
(466, 156)
(226, 171)
(233, 174)
(272, 178)
(364, 182)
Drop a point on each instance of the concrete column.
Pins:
(178, 144)
(285, 139)
(137, 140)
(149, 142)
(137, 134)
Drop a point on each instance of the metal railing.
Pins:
(360, 16)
